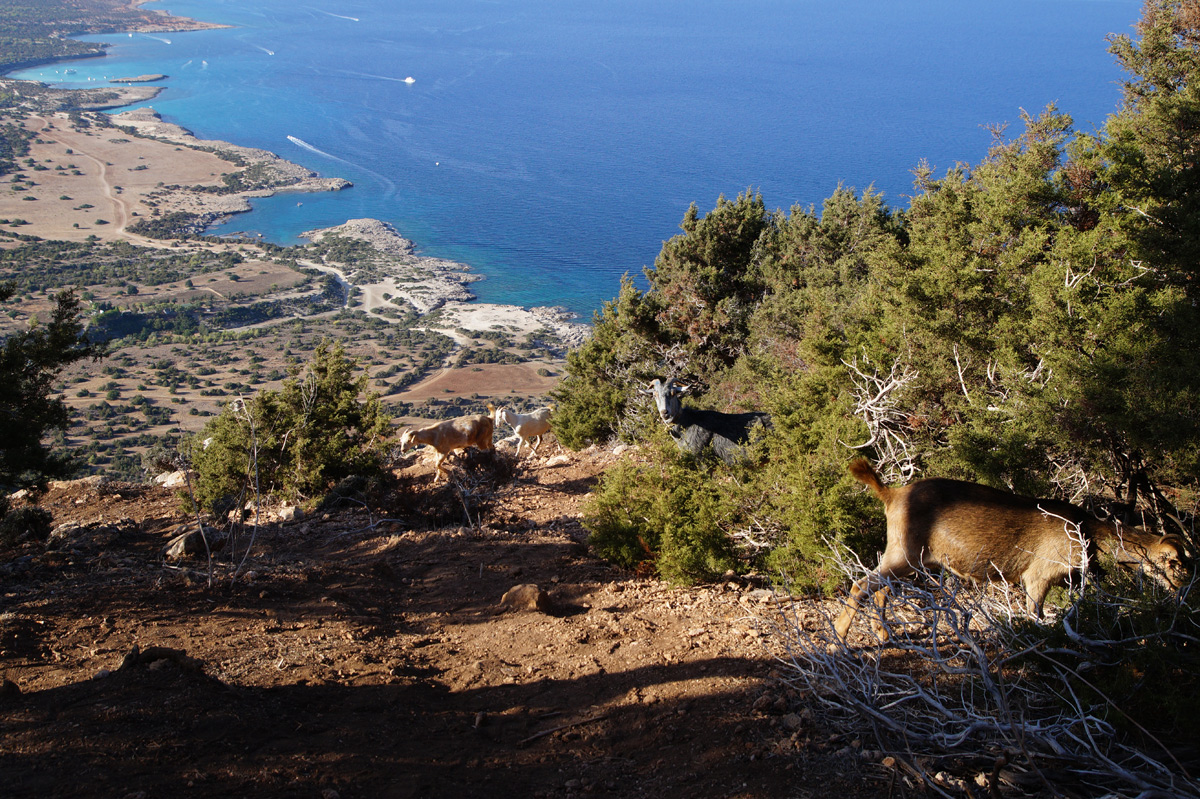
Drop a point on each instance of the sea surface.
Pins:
(553, 145)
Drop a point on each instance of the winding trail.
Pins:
(101, 177)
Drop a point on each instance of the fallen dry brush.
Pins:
(970, 696)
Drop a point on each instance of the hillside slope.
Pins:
(368, 653)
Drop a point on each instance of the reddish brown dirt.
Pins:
(367, 654)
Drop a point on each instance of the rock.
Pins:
(93, 536)
(157, 657)
(761, 595)
(9, 688)
(95, 481)
(191, 543)
(526, 597)
(291, 513)
(558, 460)
(176, 479)
(793, 722)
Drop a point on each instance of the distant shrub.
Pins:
(296, 442)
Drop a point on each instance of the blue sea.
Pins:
(553, 145)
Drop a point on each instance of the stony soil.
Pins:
(366, 652)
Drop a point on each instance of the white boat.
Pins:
(410, 79)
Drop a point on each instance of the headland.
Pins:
(116, 207)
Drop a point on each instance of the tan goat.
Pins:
(450, 435)
(981, 533)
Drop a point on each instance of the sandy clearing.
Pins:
(520, 379)
(102, 168)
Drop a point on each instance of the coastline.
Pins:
(185, 176)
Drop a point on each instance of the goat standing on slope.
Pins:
(453, 434)
(693, 430)
(981, 533)
(526, 425)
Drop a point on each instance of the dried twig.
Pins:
(560, 728)
(943, 687)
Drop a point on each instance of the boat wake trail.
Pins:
(339, 16)
(408, 80)
(310, 148)
(157, 38)
(390, 187)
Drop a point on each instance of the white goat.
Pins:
(453, 434)
(526, 425)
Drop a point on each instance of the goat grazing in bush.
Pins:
(693, 430)
(979, 533)
(526, 425)
(453, 434)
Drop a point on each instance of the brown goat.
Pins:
(981, 533)
(450, 435)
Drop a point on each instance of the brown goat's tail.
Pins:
(865, 473)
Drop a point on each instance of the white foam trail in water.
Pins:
(375, 77)
(157, 38)
(309, 147)
(391, 186)
(265, 50)
(339, 16)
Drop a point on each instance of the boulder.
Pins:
(526, 597)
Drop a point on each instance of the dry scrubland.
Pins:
(366, 650)
(407, 319)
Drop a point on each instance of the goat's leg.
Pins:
(861, 588)
(534, 445)
(1035, 594)
(878, 626)
(872, 585)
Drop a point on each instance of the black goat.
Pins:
(693, 429)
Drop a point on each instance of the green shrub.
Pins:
(669, 514)
(22, 525)
(296, 442)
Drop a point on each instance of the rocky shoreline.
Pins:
(427, 284)
(430, 285)
(396, 278)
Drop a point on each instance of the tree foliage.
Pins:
(294, 443)
(1029, 322)
(29, 362)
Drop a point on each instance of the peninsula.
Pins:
(115, 206)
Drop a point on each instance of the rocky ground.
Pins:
(378, 649)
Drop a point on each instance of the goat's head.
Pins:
(666, 397)
(1163, 558)
(406, 440)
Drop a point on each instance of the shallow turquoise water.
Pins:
(554, 144)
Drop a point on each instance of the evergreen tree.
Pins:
(296, 442)
(29, 362)
(704, 284)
